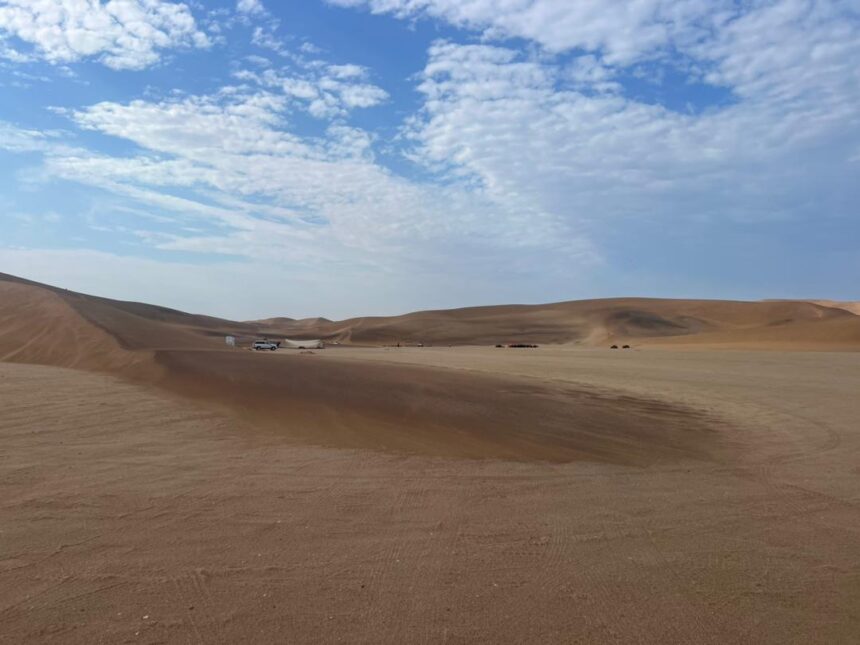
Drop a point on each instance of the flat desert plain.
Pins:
(563, 495)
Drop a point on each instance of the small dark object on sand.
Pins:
(499, 345)
(522, 345)
(614, 347)
(626, 347)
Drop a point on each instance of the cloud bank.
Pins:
(122, 34)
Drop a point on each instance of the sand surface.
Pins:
(130, 514)
(159, 487)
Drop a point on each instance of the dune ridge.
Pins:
(37, 326)
(852, 307)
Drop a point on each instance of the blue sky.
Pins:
(348, 157)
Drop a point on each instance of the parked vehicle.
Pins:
(260, 345)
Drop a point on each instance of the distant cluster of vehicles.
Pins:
(271, 345)
(263, 345)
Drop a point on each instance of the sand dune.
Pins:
(38, 326)
(170, 489)
(852, 307)
(416, 409)
(598, 322)
(139, 326)
(784, 325)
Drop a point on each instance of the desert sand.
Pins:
(160, 487)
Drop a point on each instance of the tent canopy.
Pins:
(302, 344)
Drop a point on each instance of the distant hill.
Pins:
(783, 324)
(853, 307)
(28, 308)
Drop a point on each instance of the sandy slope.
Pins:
(133, 325)
(414, 409)
(38, 326)
(853, 307)
(131, 517)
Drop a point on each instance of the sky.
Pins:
(353, 157)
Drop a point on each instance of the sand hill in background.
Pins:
(853, 307)
(785, 325)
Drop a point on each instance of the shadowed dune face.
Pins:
(419, 410)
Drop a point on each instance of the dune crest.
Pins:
(38, 326)
(852, 307)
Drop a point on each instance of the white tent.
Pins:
(302, 344)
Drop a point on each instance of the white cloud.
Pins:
(122, 34)
(17, 139)
(228, 168)
(589, 73)
(250, 7)
(624, 31)
(529, 131)
(265, 37)
(743, 37)
(347, 71)
(260, 61)
(325, 91)
(531, 154)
